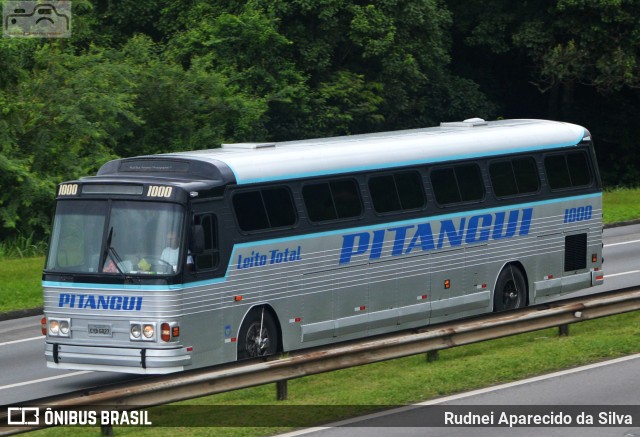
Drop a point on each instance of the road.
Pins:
(609, 385)
(25, 375)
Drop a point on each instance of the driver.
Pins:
(170, 253)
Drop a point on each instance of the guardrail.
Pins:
(203, 382)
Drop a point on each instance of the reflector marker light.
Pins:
(237, 298)
(548, 277)
(360, 308)
(295, 320)
(594, 257)
(422, 297)
(600, 278)
(447, 284)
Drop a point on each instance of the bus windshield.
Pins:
(118, 237)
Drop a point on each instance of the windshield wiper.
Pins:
(111, 251)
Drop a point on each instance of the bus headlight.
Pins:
(59, 327)
(54, 327)
(64, 327)
(135, 331)
(148, 331)
(141, 331)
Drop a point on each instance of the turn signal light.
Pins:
(165, 332)
(43, 324)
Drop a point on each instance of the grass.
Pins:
(20, 283)
(373, 387)
(22, 247)
(621, 204)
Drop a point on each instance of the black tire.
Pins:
(511, 290)
(254, 342)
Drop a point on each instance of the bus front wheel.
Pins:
(511, 289)
(258, 335)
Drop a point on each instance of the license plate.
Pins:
(100, 330)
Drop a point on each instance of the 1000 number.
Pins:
(578, 214)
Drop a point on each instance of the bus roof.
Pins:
(474, 138)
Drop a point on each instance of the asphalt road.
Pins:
(590, 390)
(26, 377)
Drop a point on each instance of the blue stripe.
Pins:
(236, 247)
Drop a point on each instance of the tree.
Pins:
(573, 60)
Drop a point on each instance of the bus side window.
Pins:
(460, 183)
(567, 170)
(397, 192)
(210, 257)
(265, 208)
(514, 177)
(338, 199)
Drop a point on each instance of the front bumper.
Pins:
(117, 359)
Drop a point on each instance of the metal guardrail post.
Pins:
(106, 430)
(563, 330)
(282, 391)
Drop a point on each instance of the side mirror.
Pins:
(197, 239)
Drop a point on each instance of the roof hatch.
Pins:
(245, 146)
(469, 122)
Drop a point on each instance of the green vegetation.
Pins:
(148, 77)
(20, 283)
(22, 247)
(412, 379)
(621, 204)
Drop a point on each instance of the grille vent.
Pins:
(575, 252)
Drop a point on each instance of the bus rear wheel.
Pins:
(511, 290)
(258, 335)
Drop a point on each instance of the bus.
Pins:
(176, 261)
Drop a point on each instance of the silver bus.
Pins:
(176, 261)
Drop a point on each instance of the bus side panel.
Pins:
(568, 247)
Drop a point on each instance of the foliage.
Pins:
(572, 60)
(141, 78)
